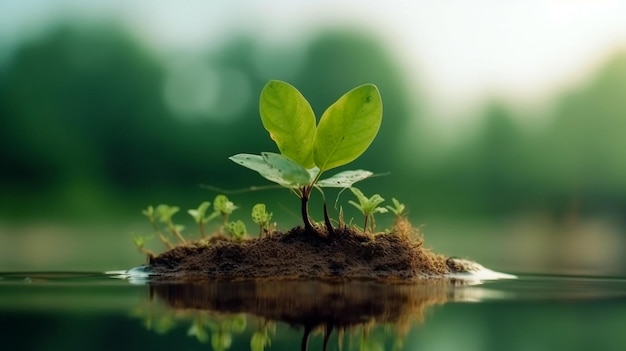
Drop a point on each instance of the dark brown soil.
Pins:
(299, 254)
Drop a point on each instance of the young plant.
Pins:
(200, 218)
(236, 229)
(261, 217)
(165, 214)
(151, 214)
(140, 242)
(398, 208)
(344, 132)
(223, 207)
(368, 207)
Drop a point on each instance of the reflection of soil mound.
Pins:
(300, 254)
(309, 304)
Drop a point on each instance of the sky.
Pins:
(463, 52)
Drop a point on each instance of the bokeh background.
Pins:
(503, 127)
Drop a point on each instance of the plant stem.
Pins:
(306, 192)
(329, 226)
(160, 235)
(202, 230)
(176, 233)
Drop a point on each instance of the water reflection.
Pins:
(217, 311)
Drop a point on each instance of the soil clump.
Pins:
(347, 253)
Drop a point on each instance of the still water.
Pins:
(107, 311)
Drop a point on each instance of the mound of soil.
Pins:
(301, 254)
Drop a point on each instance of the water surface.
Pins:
(100, 311)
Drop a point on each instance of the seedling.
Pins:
(140, 242)
(398, 208)
(368, 207)
(236, 229)
(261, 217)
(165, 214)
(224, 207)
(150, 213)
(344, 132)
(200, 218)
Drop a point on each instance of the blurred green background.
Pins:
(506, 142)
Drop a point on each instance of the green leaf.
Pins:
(398, 207)
(260, 215)
(288, 169)
(223, 205)
(198, 214)
(257, 163)
(236, 229)
(344, 179)
(149, 212)
(348, 127)
(165, 212)
(275, 167)
(289, 119)
(367, 205)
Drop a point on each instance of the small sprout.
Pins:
(165, 214)
(200, 218)
(261, 217)
(224, 207)
(368, 207)
(398, 209)
(150, 213)
(140, 242)
(236, 229)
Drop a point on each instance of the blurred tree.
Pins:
(582, 151)
(89, 115)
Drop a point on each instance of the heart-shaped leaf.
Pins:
(289, 119)
(348, 127)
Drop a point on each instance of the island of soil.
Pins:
(345, 254)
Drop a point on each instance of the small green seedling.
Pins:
(200, 218)
(368, 207)
(151, 214)
(344, 132)
(140, 242)
(236, 229)
(165, 213)
(224, 207)
(261, 217)
(398, 208)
